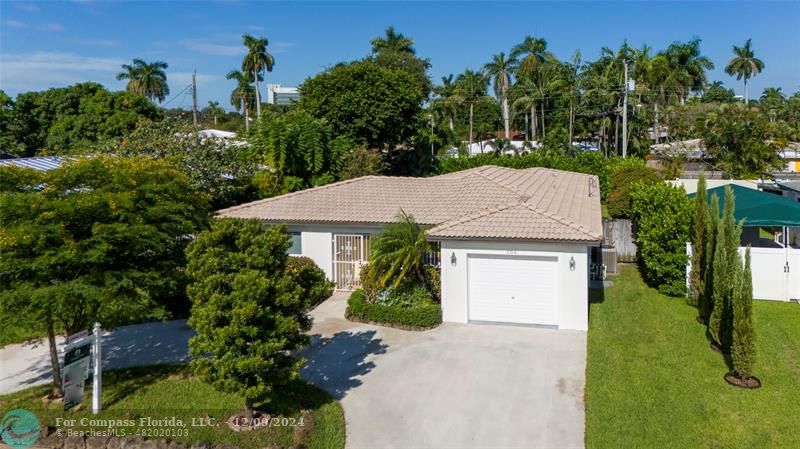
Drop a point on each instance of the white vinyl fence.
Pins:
(776, 272)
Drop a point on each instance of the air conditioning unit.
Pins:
(609, 258)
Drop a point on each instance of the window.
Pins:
(297, 246)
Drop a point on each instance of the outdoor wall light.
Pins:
(571, 264)
(453, 259)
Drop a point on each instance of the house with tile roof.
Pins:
(514, 245)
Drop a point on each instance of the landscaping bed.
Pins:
(166, 392)
(420, 316)
(652, 380)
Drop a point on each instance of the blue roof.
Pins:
(43, 163)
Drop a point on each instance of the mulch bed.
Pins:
(404, 327)
(752, 383)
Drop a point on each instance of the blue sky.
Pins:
(51, 44)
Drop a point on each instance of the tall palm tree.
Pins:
(146, 79)
(568, 84)
(531, 52)
(499, 69)
(685, 58)
(241, 94)
(257, 61)
(447, 97)
(744, 65)
(471, 86)
(666, 83)
(392, 42)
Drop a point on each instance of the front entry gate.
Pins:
(350, 252)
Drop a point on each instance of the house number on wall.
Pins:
(511, 252)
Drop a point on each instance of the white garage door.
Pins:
(510, 289)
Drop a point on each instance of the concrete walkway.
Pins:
(26, 365)
(457, 386)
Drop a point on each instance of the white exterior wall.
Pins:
(573, 286)
(318, 246)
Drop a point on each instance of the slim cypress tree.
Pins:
(699, 229)
(720, 286)
(711, 238)
(743, 347)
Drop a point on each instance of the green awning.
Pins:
(759, 208)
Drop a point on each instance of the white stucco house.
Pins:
(514, 245)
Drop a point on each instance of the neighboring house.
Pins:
(787, 189)
(217, 133)
(791, 156)
(690, 184)
(775, 260)
(514, 244)
(277, 94)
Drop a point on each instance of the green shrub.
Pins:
(425, 314)
(407, 294)
(311, 278)
(662, 214)
(622, 177)
(369, 282)
(433, 279)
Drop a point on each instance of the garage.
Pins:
(512, 289)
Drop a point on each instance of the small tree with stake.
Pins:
(743, 346)
(699, 233)
(249, 313)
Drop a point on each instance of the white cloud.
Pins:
(13, 23)
(41, 70)
(203, 46)
(280, 47)
(54, 27)
(27, 7)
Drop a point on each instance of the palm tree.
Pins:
(241, 94)
(500, 69)
(568, 83)
(772, 100)
(471, 86)
(146, 79)
(691, 67)
(392, 42)
(399, 252)
(531, 52)
(447, 96)
(744, 65)
(257, 61)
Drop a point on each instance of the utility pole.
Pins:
(625, 114)
(433, 153)
(194, 98)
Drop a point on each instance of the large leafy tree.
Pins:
(499, 69)
(147, 79)
(717, 93)
(369, 104)
(216, 168)
(396, 51)
(299, 146)
(257, 62)
(99, 239)
(248, 311)
(744, 65)
(72, 119)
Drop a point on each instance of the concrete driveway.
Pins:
(457, 386)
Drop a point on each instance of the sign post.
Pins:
(97, 381)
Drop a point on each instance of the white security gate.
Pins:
(511, 289)
(350, 252)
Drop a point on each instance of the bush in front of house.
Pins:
(662, 214)
(311, 278)
(433, 280)
(413, 311)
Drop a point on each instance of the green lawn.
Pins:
(169, 391)
(652, 380)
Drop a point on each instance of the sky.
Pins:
(46, 44)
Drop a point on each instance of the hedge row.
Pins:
(587, 162)
(418, 316)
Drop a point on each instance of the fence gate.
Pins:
(350, 252)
